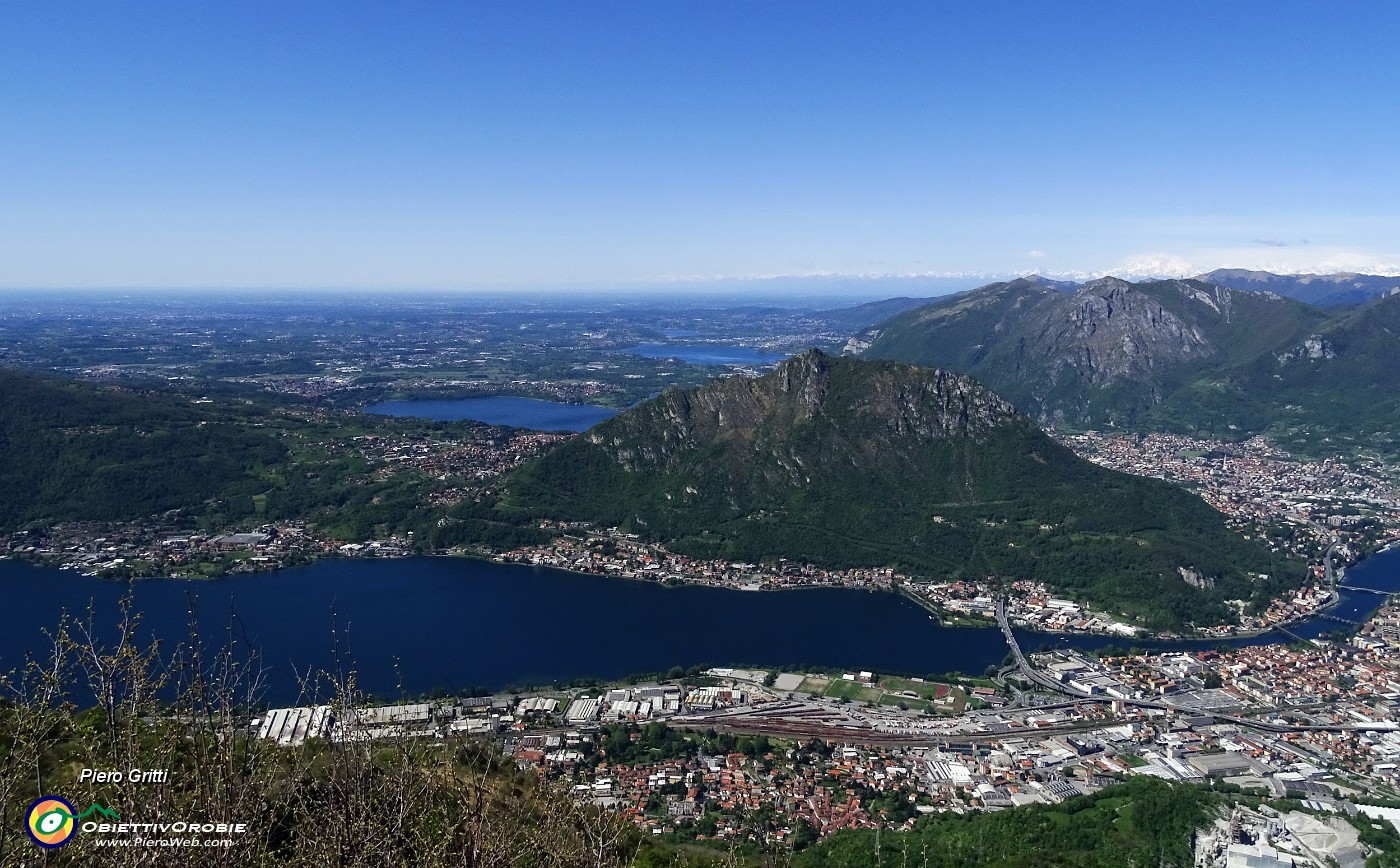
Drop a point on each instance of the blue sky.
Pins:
(444, 145)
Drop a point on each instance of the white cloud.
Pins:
(820, 275)
(1036, 254)
(1309, 259)
(1312, 259)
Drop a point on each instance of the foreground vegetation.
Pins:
(427, 802)
(407, 802)
(1143, 822)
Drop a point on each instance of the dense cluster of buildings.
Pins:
(1331, 693)
(613, 553)
(751, 755)
(1029, 604)
(492, 452)
(633, 705)
(1261, 487)
(757, 796)
(139, 549)
(1301, 603)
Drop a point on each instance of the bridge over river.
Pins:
(1042, 679)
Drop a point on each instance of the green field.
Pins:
(908, 702)
(925, 689)
(853, 690)
(927, 695)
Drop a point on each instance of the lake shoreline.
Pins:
(495, 558)
(461, 621)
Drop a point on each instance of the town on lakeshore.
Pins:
(763, 755)
(1331, 511)
(789, 757)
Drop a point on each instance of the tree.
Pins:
(804, 834)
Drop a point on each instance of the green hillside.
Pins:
(1333, 388)
(846, 463)
(73, 452)
(1145, 821)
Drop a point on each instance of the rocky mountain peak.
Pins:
(1105, 286)
(1056, 353)
(886, 407)
(806, 377)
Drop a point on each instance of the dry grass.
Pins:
(408, 802)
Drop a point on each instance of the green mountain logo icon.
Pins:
(109, 813)
(99, 809)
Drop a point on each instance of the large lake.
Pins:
(707, 354)
(454, 623)
(501, 410)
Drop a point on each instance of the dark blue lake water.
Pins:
(707, 354)
(501, 410)
(457, 623)
(453, 623)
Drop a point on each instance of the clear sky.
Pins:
(599, 144)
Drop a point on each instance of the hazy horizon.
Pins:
(641, 145)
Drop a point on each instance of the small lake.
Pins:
(707, 354)
(454, 623)
(509, 410)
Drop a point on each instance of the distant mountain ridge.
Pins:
(1174, 355)
(861, 316)
(1106, 353)
(1342, 289)
(844, 463)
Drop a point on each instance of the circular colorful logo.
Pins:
(50, 822)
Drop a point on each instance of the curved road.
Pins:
(1038, 677)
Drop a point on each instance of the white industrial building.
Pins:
(292, 726)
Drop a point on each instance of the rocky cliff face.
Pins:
(1109, 330)
(891, 405)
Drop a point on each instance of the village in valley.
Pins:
(1297, 505)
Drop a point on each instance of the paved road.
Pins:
(1049, 683)
(1029, 671)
